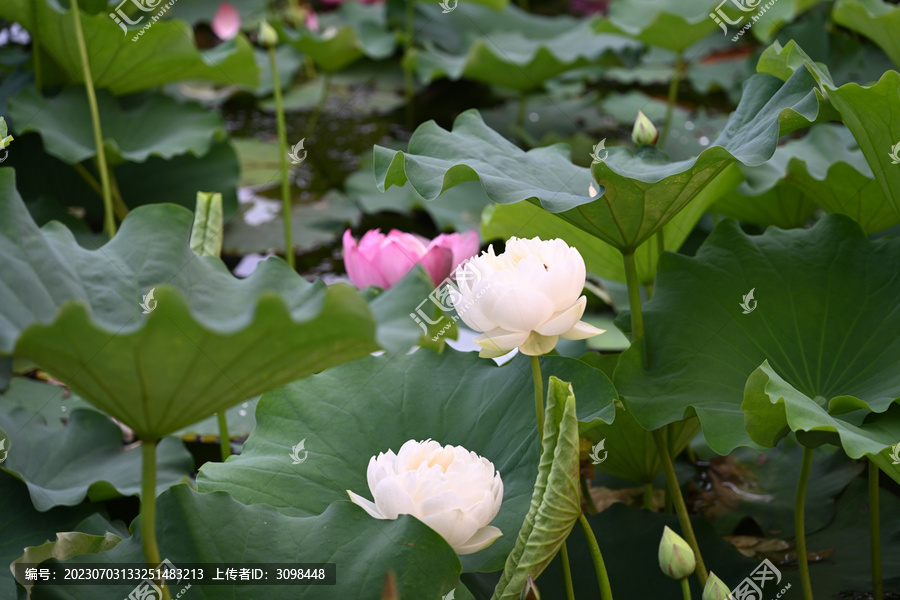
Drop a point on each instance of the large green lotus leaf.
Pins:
(772, 407)
(178, 179)
(642, 193)
(209, 341)
(163, 54)
(528, 220)
(877, 20)
(397, 331)
(629, 539)
(871, 112)
(22, 525)
(556, 502)
(630, 449)
(458, 209)
(783, 206)
(823, 315)
(54, 403)
(215, 528)
(770, 482)
(133, 129)
(670, 24)
(824, 168)
(454, 398)
(203, 11)
(775, 17)
(512, 48)
(850, 567)
(175, 180)
(345, 35)
(88, 459)
(67, 545)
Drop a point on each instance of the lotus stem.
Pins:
(567, 572)
(285, 184)
(659, 436)
(317, 111)
(685, 588)
(519, 126)
(597, 556)
(408, 82)
(538, 394)
(875, 531)
(148, 507)
(224, 438)
(589, 507)
(36, 47)
(648, 496)
(799, 524)
(119, 207)
(634, 302)
(673, 97)
(109, 222)
(678, 499)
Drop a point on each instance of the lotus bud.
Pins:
(227, 22)
(267, 35)
(676, 559)
(715, 589)
(644, 133)
(530, 591)
(4, 138)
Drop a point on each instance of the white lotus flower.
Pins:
(453, 491)
(526, 298)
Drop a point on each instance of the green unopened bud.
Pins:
(644, 133)
(715, 588)
(676, 559)
(530, 591)
(267, 35)
(5, 139)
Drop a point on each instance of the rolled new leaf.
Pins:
(555, 503)
(207, 233)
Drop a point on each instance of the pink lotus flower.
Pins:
(227, 22)
(383, 260)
